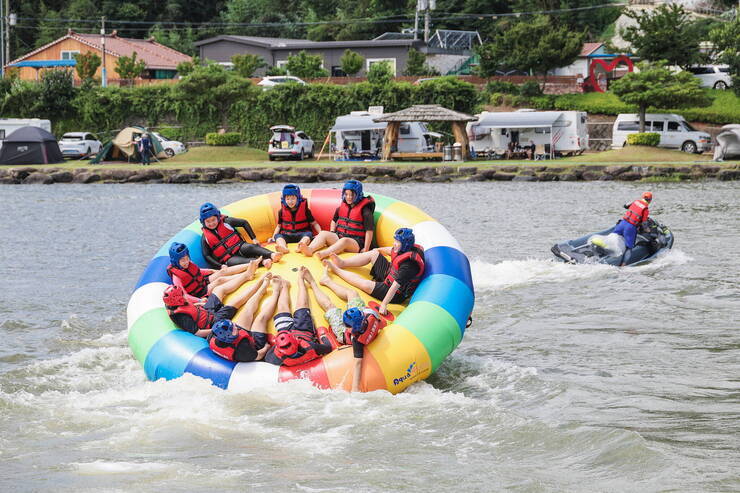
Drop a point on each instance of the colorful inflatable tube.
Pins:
(416, 341)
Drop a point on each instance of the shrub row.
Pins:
(225, 139)
(644, 139)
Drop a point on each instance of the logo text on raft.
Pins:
(405, 377)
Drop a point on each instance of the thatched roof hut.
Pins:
(424, 113)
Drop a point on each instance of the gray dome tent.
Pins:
(30, 145)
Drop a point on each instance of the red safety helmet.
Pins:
(648, 196)
(173, 296)
(287, 342)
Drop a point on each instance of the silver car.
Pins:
(714, 76)
(288, 143)
(79, 144)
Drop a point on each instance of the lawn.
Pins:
(640, 154)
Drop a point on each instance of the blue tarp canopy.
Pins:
(45, 63)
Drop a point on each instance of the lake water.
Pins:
(572, 378)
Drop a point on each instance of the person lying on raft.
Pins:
(358, 326)
(351, 229)
(232, 341)
(392, 282)
(222, 245)
(297, 340)
(294, 220)
(198, 282)
(198, 318)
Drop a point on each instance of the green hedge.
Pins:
(644, 139)
(225, 139)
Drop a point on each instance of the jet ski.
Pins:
(607, 247)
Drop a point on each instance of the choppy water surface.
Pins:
(572, 378)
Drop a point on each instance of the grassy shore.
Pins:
(246, 157)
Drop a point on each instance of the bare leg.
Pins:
(268, 308)
(245, 318)
(281, 246)
(342, 245)
(356, 260)
(302, 301)
(226, 274)
(283, 304)
(322, 239)
(342, 292)
(355, 280)
(232, 285)
(321, 298)
(226, 271)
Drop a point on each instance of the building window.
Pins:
(69, 55)
(281, 63)
(391, 61)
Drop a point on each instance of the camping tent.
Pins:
(123, 146)
(30, 145)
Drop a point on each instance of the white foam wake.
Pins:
(515, 273)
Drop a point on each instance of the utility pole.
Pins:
(2, 36)
(104, 75)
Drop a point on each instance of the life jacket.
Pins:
(416, 255)
(203, 318)
(223, 240)
(227, 351)
(294, 221)
(349, 218)
(635, 212)
(192, 279)
(303, 354)
(372, 325)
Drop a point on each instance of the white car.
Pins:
(714, 76)
(675, 132)
(79, 144)
(274, 80)
(288, 143)
(171, 147)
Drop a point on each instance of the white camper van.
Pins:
(675, 132)
(9, 125)
(560, 132)
(358, 132)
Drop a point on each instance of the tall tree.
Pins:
(666, 33)
(536, 47)
(657, 86)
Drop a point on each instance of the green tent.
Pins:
(123, 146)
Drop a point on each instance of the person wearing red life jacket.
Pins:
(297, 340)
(221, 244)
(636, 215)
(295, 223)
(198, 318)
(392, 281)
(352, 227)
(245, 339)
(198, 282)
(362, 327)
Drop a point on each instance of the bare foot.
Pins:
(280, 248)
(252, 268)
(307, 276)
(325, 279)
(267, 263)
(303, 248)
(337, 261)
(321, 255)
(277, 256)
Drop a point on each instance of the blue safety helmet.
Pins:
(356, 187)
(177, 251)
(207, 210)
(354, 319)
(406, 237)
(291, 190)
(223, 330)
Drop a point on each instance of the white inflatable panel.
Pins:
(430, 234)
(147, 297)
(249, 376)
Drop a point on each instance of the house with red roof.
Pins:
(161, 61)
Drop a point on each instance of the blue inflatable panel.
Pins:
(170, 355)
(207, 365)
(450, 261)
(448, 293)
(156, 271)
(189, 239)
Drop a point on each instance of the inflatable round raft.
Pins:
(413, 345)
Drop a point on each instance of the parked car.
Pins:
(79, 144)
(714, 76)
(287, 142)
(171, 147)
(675, 132)
(274, 80)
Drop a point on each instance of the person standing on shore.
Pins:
(144, 148)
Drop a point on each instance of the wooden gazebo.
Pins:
(424, 113)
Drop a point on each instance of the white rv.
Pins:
(560, 132)
(10, 125)
(358, 132)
